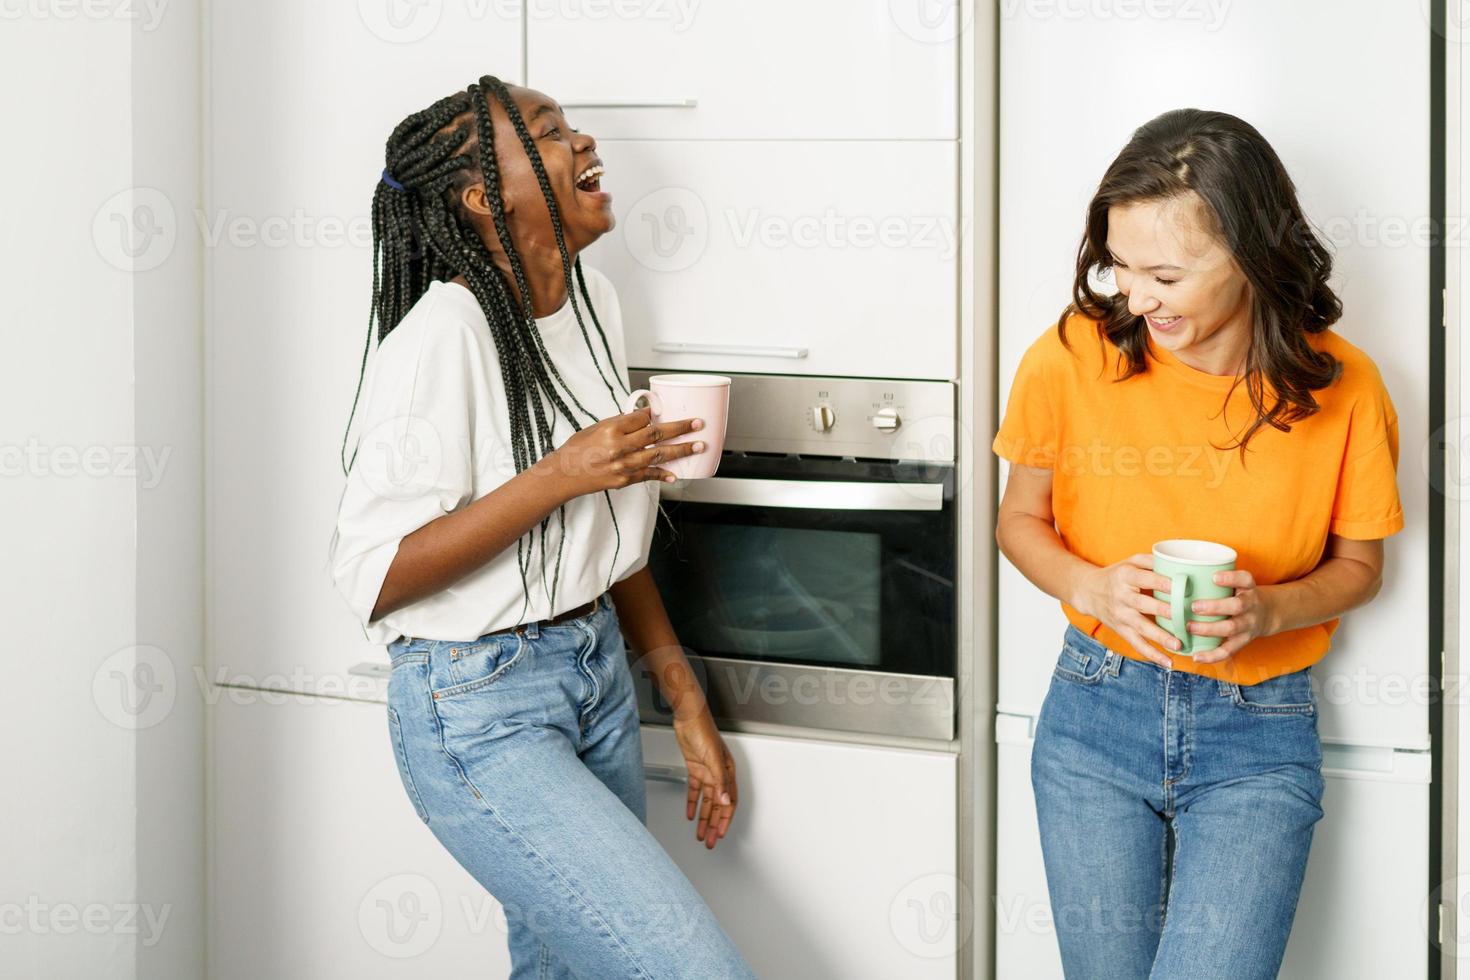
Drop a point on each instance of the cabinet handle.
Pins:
(632, 104)
(738, 350)
(665, 774)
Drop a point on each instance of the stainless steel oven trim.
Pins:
(824, 416)
(817, 698)
(808, 494)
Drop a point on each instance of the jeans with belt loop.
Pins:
(521, 752)
(1126, 756)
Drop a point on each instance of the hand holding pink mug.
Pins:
(692, 396)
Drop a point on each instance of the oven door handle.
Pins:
(809, 494)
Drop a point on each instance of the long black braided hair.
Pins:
(421, 235)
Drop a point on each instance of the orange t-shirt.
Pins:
(1135, 462)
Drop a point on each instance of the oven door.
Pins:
(816, 592)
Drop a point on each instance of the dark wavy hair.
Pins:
(420, 235)
(1252, 210)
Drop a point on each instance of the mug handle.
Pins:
(655, 404)
(1178, 593)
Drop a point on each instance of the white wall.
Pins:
(102, 811)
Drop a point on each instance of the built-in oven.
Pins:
(811, 580)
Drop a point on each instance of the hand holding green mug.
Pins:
(1190, 566)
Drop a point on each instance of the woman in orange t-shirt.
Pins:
(1207, 399)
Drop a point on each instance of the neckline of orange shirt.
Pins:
(1163, 355)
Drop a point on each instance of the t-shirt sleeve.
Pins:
(1367, 503)
(413, 461)
(1028, 431)
(637, 566)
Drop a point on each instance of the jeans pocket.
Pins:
(479, 663)
(1082, 664)
(1287, 694)
(396, 730)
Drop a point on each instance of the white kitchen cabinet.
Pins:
(839, 864)
(1362, 914)
(814, 257)
(758, 69)
(300, 100)
(1366, 204)
(1363, 910)
(319, 866)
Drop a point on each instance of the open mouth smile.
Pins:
(590, 179)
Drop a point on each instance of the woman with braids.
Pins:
(492, 405)
(1177, 795)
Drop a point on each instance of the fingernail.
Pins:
(697, 424)
(725, 798)
(1194, 607)
(669, 478)
(699, 447)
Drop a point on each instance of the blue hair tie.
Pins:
(388, 179)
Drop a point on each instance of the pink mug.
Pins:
(689, 396)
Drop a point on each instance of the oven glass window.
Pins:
(780, 593)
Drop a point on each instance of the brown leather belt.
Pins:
(581, 610)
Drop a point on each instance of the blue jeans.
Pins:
(1125, 753)
(522, 754)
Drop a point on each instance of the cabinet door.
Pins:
(757, 69)
(840, 862)
(303, 97)
(823, 258)
(1362, 912)
(1367, 205)
(319, 867)
(301, 100)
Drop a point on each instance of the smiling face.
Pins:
(1176, 274)
(573, 170)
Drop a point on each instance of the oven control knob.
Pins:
(886, 420)
(823, 418)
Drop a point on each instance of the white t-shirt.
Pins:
(435, 436)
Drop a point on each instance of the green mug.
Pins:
(1190, 567)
